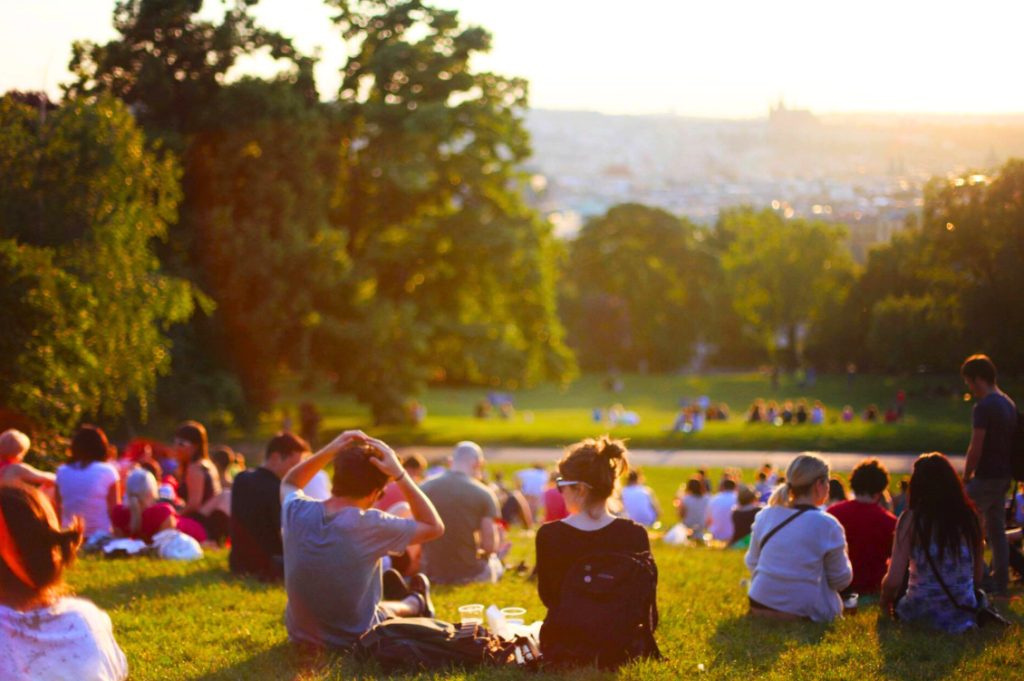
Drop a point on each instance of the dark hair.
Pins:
(869, 477)
(222, 458)
(979, 366)
(414, 463)
(904, 484)
(728, 485)
(194, 432)
(285, 444)
(354, 476)
(836, 490)
(45, 550)
(695, 486)
(89, 445)
(633, 477)
(153, 467)
(944, 517)
(599, 463)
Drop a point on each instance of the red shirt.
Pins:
(152, 518)
(869, 534)
(554, 505)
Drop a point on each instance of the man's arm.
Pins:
(428, 523)
(488, 536)
(298, 477)
(974, 452)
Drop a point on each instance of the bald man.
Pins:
(469, 510)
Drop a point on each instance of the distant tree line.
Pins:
(642, 288)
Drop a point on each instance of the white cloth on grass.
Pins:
(70, 640)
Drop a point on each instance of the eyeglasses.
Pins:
(561, 482)
(178, 442)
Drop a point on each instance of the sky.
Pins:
(713, 58)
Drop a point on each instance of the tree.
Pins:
(637, 282)
(86, 306)
(784, 275)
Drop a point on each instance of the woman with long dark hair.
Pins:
(939, 541)
(200, 480)
(88, 486)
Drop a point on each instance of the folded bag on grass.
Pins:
(175, 545)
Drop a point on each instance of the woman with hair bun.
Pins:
(589, 480)
(801, 572)
(44, 633)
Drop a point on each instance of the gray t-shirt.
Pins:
(332, 572)
(462, 503)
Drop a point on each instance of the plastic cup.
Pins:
(514, 615)
(471, 614)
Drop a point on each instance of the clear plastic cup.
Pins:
(471, 614)
(514, 615)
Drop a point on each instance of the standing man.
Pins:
(468, 509)
(988, 471)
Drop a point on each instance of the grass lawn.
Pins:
(195, 621)
(546, 416)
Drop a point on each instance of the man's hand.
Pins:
(388, 461)
(347, 437)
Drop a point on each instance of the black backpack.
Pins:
(607, 614)
(1017, 455)
(415, 643)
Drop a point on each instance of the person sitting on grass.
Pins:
(228, 465)
(869, 527)
(416, 466)
(588, 477)
(142, 516)
(333, 549)
(719, 511)
(88, 486)
(199, 483)
(800, 573)
(743, 514)
(44, 633)
(639, 501)
(14, 445)
(469, 509)
(940, 531)
(836, 492)
(256, 547)
(692, 505)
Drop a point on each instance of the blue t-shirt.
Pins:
(997, 414)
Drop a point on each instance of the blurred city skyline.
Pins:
(716, 60)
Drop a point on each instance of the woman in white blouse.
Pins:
(798, 559)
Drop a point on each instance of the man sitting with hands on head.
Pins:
(333, 548)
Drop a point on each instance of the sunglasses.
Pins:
(561, 482)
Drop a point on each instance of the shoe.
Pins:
(420, 585)
(395, 588)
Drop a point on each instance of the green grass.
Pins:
(195, 621)
(547, 416)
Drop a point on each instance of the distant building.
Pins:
(785, 124)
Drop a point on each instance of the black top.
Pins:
(743, 522)
(207, 485)
(256, 546)
(997, 414)
(560, 545)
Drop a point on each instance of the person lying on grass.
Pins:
(45, 634)
(800, 573)
(333, 548)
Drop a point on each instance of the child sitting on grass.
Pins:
(14, 445)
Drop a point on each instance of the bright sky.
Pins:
(708, 58)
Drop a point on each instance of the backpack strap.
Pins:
(942, 583)
(785, 522)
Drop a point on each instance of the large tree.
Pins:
(636, 289)
(784, 275)
(85, 304)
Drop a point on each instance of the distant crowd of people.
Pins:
(364, 544)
